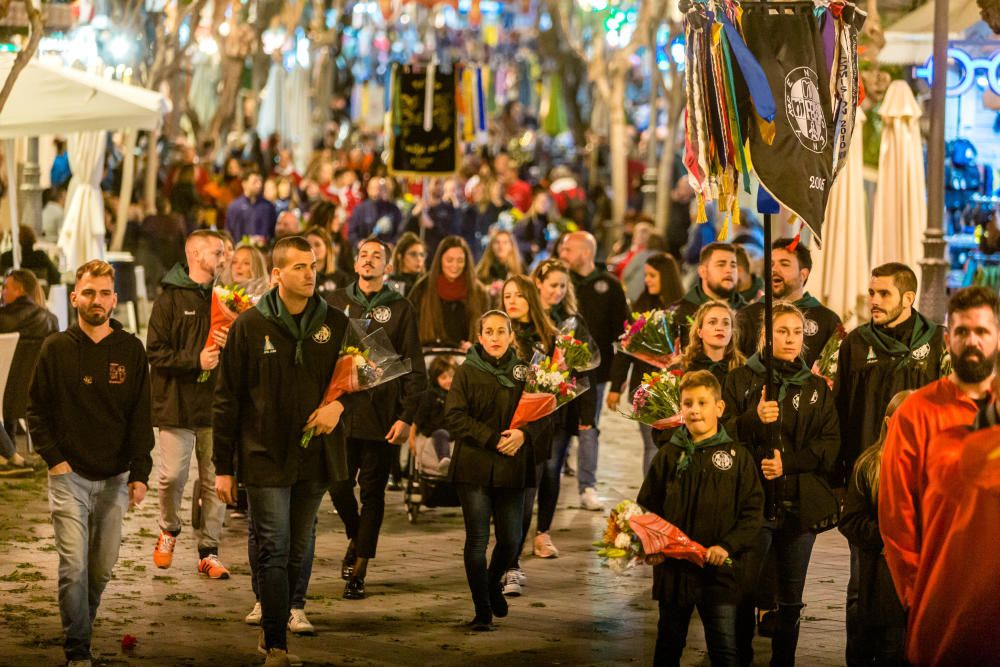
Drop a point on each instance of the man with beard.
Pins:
(182, 380)
(950, 402)
(375, 421)
(717, 280)
(790, 269)
(90, 420)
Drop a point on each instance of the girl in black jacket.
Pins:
(492, 464)
(795, 441)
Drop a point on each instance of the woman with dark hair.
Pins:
(791, 428)
(408, 261)
(449, 300)
(663, 286)
(36, 261)
(324, 215)
(328, 277)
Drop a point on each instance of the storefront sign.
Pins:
(971, 69)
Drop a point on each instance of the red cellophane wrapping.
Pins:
(344, 380)
(669, 422)
(659, 536)
(660, 361)
(221, 317)
(532, 407)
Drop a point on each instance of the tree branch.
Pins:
(26, 54)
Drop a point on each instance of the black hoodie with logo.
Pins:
(269, 383)
(178, 329)
(89, 404)
(604, 309)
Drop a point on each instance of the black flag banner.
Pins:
(796, 168)
(423, 139)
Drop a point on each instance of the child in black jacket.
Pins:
(705, 484)
(429, 420)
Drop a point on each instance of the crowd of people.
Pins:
(467, 296)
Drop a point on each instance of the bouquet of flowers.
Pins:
(366, 361)
(650, 338)
(576, 347)
(549, 386)
(228, 301)
(826, 365)
(633, 533)
(657, 401)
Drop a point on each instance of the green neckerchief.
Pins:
(178, 277)
(558, 313)
(273, 308)
(383, 297)
(682, 438)
(796, 379)
(600, 271)
(502, 372)
(884, 344)
(697, 296)
(807, 301)
(703, 362)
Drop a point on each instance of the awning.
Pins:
(910, 40)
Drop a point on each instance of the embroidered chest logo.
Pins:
(795, 400)
(520, 372)
(921, 352)
(116, 373)
(722, 460)
(601, 286)
(381, 314)
(872, 357)
(811, 328)
(88, 380)
(190, 312)
(268, 347)
(815, 397)
(323, 335)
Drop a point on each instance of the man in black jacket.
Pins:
(717, 280)
(275, 369)
(378, 420)
(90, 420)
(790, 268)
(604, 310)
(182, 399)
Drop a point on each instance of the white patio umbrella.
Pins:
(82, 235)
(840, 271)
(901, 195)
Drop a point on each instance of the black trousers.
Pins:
(368, 461)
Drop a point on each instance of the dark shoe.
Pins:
(480, 624)
(394, 485)
(769, 624)
(347, 565)
(498, 603)
(355, 589)
(568, 470)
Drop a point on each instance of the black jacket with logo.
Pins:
(178, 329)
(604, 309)
(369, 415)
(809, 437)
(821, 324)
(89, 404)
(478, 409)
(263, 401)
(716, 500)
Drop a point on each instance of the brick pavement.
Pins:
(573, 611)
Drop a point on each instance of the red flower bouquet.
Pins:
(228, 301)
(549, 386)
(650, 338)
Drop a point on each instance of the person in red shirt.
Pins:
(952, 401)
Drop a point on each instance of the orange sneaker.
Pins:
(163, 553)
(212, 567)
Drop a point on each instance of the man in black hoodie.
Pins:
(89, 417)
(604, 310)
(717, 280)
(182, 398)
(275, 369)
(377, 420)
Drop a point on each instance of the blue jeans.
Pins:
(479, 504)
(586, 458)
(284, 521)
(792, 547)
(649, 447)
(298, 600)
(87, 521)
(719, 621)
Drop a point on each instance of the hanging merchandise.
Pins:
(413, 148)
(552, 109)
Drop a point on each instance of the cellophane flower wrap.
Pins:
(549, 386)
(657, 401)
(228, 301)
(366, 361)
(632, 533)
(650, 338)
(826, 365)
(576, 347)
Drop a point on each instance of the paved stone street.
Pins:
(573, 612)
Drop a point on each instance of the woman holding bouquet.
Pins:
(491, 464)
(791, 428)
(662, 288)
(449, 299)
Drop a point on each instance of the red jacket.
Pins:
(903, 478)
(956, 592)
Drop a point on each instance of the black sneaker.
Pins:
(355, 589)
(481, 624)
(498, 603)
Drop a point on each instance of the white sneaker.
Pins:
(291, 658)
(513, 582)
(299, 623)
(590, 501)
(253, 618)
